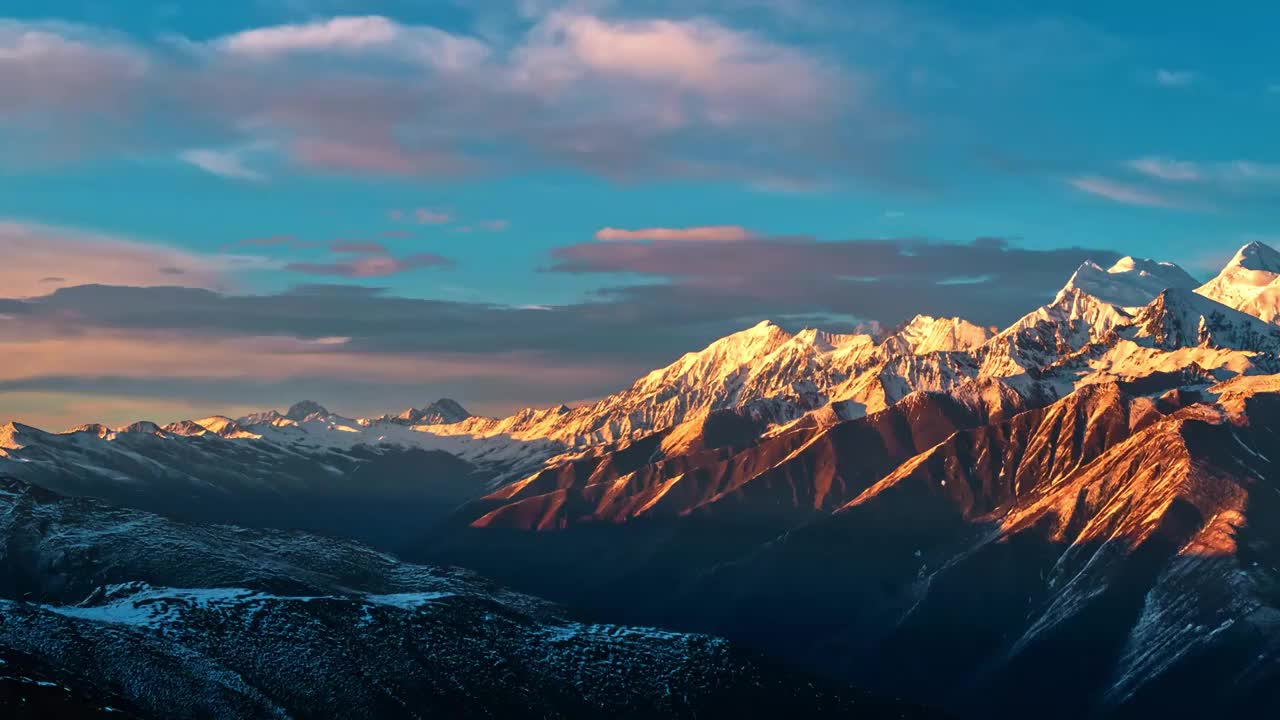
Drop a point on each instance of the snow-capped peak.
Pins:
(1131, 282)
(1248, 282)
(926, 334)
(1257, 256)
(142, 426)
(724, 356)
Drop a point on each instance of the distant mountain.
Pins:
(127, 614)
(218, 470)
(440, 412)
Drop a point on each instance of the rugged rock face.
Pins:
(108, 611)
(1183, 319)
(804, 470)
(937, 554)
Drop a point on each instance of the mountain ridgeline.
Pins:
(1077, 515)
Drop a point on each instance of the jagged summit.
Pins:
(925, 334)
(302, 410)
(1179, 318)
(296, 413)
(441, 412)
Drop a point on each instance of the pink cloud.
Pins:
(372, 266)
(339, 155)
(61, 66)
(708, 233)
(677, 71)
(495, 225)
(369, 95)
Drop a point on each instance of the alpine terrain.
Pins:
(1077, 515)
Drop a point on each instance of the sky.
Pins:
(223, 207)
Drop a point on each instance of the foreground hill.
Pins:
(122, 613)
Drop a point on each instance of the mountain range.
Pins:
(1082, 505)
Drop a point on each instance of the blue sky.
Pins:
(471, 155)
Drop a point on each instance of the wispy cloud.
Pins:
(371, 266)
(428, 216)
(1165, 77)
(1250, 171)
(1123, 193)
(1163, 168)
(1233, 174)
(706, 233)
(227, 162)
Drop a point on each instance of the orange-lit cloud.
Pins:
(56, 381)
(38, 259)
